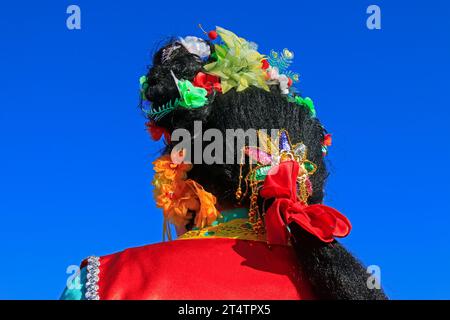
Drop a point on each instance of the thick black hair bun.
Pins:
(172, 57)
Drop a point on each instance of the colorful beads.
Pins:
(309, 166)
(284, 144)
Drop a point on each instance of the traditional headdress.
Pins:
(231, 63)
(281, 169)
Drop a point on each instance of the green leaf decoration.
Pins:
(161, 111)
(238, 64)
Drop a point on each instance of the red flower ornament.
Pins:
(327, 140)
(209, 82)
(157, 132)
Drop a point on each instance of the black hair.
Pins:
(332, 270)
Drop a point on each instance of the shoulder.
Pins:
(133, 273)
(147, 257)
(217, 268)
(135, 254)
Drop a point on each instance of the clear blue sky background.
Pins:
(75, 165)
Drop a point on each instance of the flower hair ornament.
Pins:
(282, 173)
(231, 62)
(181, 199)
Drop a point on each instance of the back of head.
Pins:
(230, 86)
(252, 108)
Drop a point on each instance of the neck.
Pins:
(231, 214)
(232, 224)
(226, 216)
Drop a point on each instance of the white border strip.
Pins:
(93, 264)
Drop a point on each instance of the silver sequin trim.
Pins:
(93, 264)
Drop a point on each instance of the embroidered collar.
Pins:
(232, 225)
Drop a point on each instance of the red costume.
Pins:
(203, 269)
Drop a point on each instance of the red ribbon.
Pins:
(322, 221)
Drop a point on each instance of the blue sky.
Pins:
(75, 165)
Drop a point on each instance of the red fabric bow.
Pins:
(322, 221)
(207, 81)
